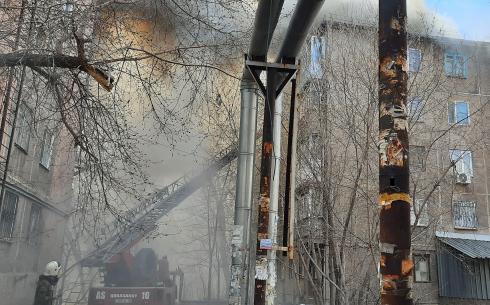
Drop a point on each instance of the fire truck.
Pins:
(144, 279)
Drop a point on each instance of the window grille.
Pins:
(458, 112)
(8, 215)
(47, 149)
(464, 213)
(414, 60)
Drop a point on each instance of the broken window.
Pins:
(47, 149)
(464, 213)
(421, 268)
(415, 107)
(34, 220)
(463, 165)
(455, 65)
(8, 215)
(417, 157)
(22, 130)
(414, 60)
(318, 51)
(458, 112)
(418, 209)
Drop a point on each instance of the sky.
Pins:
(470, 17)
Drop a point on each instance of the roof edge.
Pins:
(469, 236)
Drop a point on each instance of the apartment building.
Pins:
(37, 195)
(36, 158)
(337, 216)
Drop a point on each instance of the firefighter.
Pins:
(46, 284)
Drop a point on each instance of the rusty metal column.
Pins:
(265, 187)
(394, 238)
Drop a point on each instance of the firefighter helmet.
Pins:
(52, 268)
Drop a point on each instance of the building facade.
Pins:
(337, 216)
(37, 197)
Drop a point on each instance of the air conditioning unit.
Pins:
(463, 178)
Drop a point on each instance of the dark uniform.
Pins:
(45, 290)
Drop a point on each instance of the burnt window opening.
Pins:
(464, 215)
(8, 215)
(458, 112)
(421, 270)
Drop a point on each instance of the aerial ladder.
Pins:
(143, 277)
(147, 214)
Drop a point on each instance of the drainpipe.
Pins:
(274, 203)
(394, 199)
(266, 18)
(299, 27)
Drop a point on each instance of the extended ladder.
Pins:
(147, 215)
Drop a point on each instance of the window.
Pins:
(23, 132)
(464, 213)
(47, 149)
(458, 112)
(463, 165)
(415, 107)
(314, 141)
(33, 233)
(414, 60)
(455, 65)
(417, 157)
(421, 268)
(418, 209)
(8, 215)
(317, 49)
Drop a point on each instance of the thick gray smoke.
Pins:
(421, 19)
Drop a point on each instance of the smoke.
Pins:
(421, 19)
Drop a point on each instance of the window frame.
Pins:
(46, 162)
(34, 225)
(425, 257)
(6, 234)
(452, 116)
(419, 52)
(423, 216)
(450, 61)
(464, 158)
(469, 204)
(315, 68)
(417, 114)
(24, 129)
(422, 165)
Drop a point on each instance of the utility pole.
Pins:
(394, 239)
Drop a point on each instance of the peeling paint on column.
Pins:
(394, 239)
